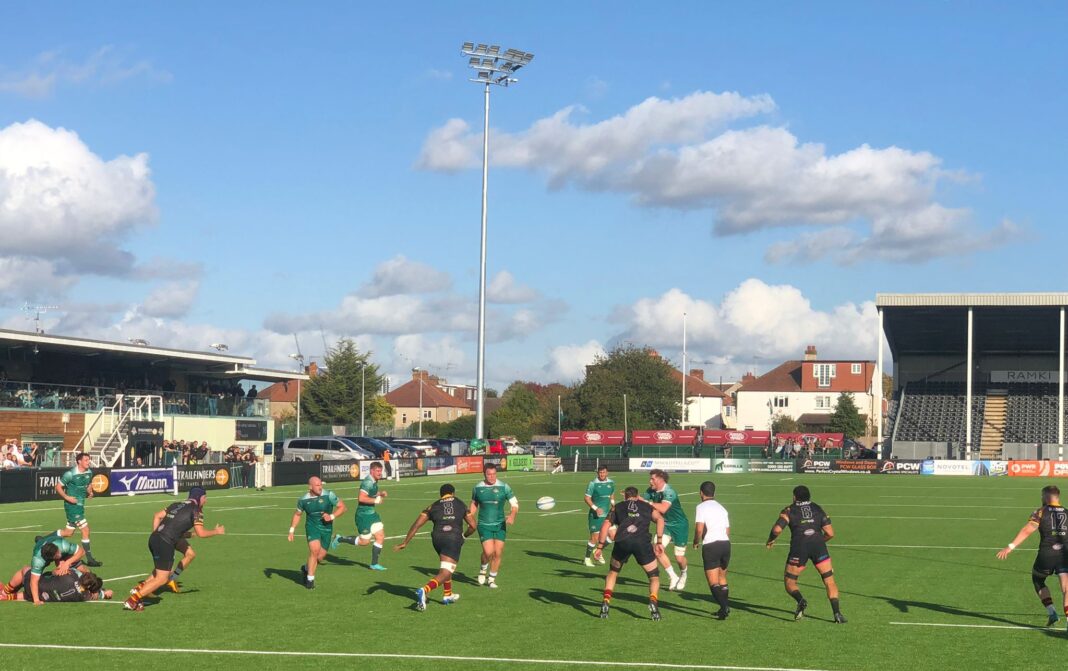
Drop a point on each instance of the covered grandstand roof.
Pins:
(1002, 323)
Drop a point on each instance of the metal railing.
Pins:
(90, 398)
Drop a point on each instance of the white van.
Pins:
(322, 448)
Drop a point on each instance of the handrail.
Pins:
(900, 409)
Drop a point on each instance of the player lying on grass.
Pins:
(600, 497)
(72, 587)
(810, 529)
(632, 517)
(368, 523)
(1051, 522)
(447, 513)
(171, 527)
(321, 507)
(46, 550)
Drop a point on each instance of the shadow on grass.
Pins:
(569, 573)
(456, 577)
(288, 574)
(554, 556)
(584, 606)
(908, 605)
(741, 605)
(665, 606)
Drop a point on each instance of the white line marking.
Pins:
(973, 626)
(560, 512)
(749, 485)
(28, 526)
(880, 517)
(784, 479)
(222, 510)
(124, 577)
(385, 655)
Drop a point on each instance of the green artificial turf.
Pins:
(907, 550)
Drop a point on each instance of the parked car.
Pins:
(495, 446)
(544, 448)
(375, 446)
(322, 448)
(421, 445)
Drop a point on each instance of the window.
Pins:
(824, 373)
(856, 369)
(823, 401)
(404, 418)
(428, 414)
(782, 401)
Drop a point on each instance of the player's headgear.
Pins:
(196, 492)
(801, 493)
(446, 489)
(708, 488)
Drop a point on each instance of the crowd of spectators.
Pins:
(14, 456)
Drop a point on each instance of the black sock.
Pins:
(88, 552)
(351, 540)
(719, 593)
(376, 550)
(834, 606)
(796, 594)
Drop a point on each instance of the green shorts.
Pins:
(364, 522)
(595, 522)
(492, 532)
(75, 514)
(679, 535)
(323, 535)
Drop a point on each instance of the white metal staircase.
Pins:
(106, 437)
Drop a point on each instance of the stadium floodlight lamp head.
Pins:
(138, 341)
(297, 357)
(219, 346)
(491, 65)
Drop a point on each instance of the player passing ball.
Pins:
(1051, 522)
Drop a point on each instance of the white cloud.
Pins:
(567, 363)
(30, 279)
(676, 154)
(596, 88)
(503, 288)
(400, 275)
(106, 66)
(172, 300)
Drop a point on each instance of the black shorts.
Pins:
(163, 551)
(816, 551)
(716, 554)
(448, 546)
(639, 548)
(1051, 560)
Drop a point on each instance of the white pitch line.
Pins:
(223, 510)
(881, 517)
(124, 577)
(560, 512)
(387, 655)
(28, 526)
(749, 485)
(784, 479)
(973, 626)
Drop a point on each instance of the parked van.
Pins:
(322, 448)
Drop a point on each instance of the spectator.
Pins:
(31, 454)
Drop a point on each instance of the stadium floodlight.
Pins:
(138, 341)
(491, 67)
(219, 346)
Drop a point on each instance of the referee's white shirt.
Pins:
(714, 517)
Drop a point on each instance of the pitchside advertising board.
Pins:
(771, 465)
(674, 465)
(1038, 469)
(206, 476)
(339, 471)
(132, 481)
(860, 466)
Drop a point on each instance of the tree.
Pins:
(517, 413)
(333, 396)
(846, 417)
(653, 398)
(782, 423)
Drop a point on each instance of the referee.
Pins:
(711, 533)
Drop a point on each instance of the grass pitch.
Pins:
(913, 556)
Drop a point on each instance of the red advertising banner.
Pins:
(829, 438)
(727, 437)
(468, 464)
(664, 437)
(592, 438)
(1038, 469)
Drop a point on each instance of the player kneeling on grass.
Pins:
(321, 507)
(632, 517)
(368, 523)
(171, 527)
(1051, 521)
(48, 549)
(600, 497)
(72, 587)
(810, 529)
(447, 514)
(711, 533)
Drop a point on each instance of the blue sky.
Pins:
(307, 168)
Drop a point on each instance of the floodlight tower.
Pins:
(492, 68)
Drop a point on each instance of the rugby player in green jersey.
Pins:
(600, 497)
(676, 525)
(321, 508)
(368, 523)
(487, 502)
(74, 487)
(48, 549)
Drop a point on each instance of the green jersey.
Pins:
(676, 516)
(600, 492)
(490, 501)
(368, 486)
(76, 483)
(38, 562)
(314, 507)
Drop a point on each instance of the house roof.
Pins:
(698, 387)
(407, 396)
(280, 392)
(784, 377)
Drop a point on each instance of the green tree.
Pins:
(846, 417)
(783, 423)
(641, 374)
(517, 414)
(333, 396)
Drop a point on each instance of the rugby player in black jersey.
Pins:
(1051, 522)
(75, 586)
(810, 529)
(447, 514)
(171, 526)
(632, 518)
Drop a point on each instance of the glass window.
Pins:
(856, 369)
(782, 401)
(824, 373)
(428, 414)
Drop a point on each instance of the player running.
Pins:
(74, 487)
(810, 529)
(322, 508)
(1051, 521)
(711, 533)
(487, 501)
(447, 514)
(73, 587)
(600, 497)
(676, 525)
(46, 550)
(632, 517)
(368, 523)
(171, 527)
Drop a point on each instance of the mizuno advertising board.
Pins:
(132, 481)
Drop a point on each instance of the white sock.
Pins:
(671, 573)
(485, 567)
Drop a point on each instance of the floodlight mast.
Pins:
(491, 67)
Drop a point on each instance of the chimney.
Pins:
(747, 378)
(697, 374)
(419, 373)
(434, 380)
(312, 369)
(810, 353)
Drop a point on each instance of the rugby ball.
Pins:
(546, 503)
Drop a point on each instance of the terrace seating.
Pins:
(935, 412)
(1031, 413)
